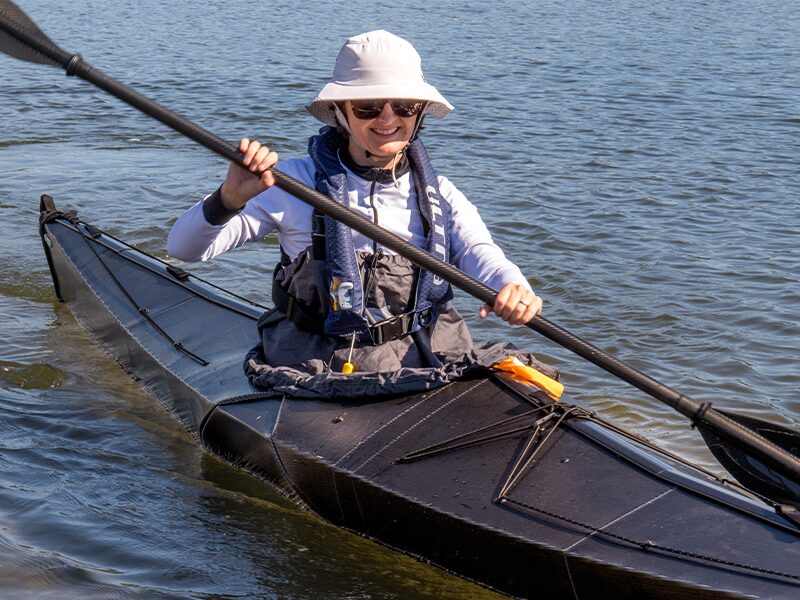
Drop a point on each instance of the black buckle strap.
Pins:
(385, 331)
(397, 327)
(318, 248)
(382, 332)
(391, 329)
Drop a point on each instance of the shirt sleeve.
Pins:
(471, 247)
(193, 237)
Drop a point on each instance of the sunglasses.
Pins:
(370, 109)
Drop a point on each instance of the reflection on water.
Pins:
(36, 376)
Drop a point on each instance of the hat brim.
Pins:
(320, 107)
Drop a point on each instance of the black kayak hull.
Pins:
(596, 514)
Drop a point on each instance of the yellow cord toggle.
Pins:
(349, 366)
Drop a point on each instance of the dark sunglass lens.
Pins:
(368, 109)
(405, 108)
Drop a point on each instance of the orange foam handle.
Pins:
(522, 372)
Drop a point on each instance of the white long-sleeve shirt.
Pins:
(391, 206)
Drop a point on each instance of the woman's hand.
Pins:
(515, 303)
(240, 184)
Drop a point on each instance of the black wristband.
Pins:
(215, 212)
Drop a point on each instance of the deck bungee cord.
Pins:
(89, 234)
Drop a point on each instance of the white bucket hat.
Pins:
(377, 65)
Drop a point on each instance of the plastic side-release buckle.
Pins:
(391, 329)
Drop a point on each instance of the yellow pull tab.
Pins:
(522, 372)
(349, 366)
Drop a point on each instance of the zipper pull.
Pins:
(349, 367)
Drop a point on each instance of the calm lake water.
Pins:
(639, 161)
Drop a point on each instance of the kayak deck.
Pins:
(484, 478)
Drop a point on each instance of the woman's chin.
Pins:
(388, 149)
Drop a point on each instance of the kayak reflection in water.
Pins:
(344, 303)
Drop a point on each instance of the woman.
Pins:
(342, 301)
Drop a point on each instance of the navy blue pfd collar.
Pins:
(371, 173)
(346, 310)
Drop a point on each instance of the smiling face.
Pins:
(376, 142)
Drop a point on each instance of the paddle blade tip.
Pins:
(14, 26)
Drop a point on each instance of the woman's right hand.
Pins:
(240, 184)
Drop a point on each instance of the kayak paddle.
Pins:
(22, 39)
(753, 474)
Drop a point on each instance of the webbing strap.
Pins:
(318, 248)
(385, 331)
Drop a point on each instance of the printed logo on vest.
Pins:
(438, 228)
(430, 192)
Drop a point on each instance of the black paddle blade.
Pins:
(14, 21)
(751, 472)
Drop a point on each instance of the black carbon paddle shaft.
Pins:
(699, 413)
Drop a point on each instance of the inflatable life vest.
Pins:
(346, 314)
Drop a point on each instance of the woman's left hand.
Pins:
(514, 303)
